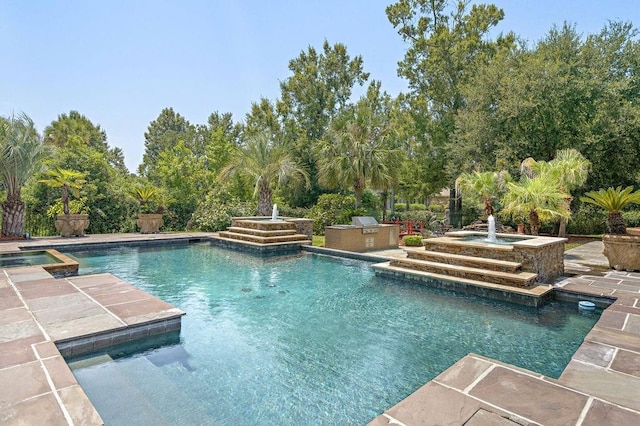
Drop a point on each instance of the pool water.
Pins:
(302, 339)
(506, 241)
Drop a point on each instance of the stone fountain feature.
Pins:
(517, 268)
(264, 234)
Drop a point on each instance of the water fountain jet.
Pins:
(491, 236)
(274, 213)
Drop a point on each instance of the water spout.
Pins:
(274, 213)
(491, 237)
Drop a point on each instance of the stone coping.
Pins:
(526, 240)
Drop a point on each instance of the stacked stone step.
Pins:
(515, 279)
(463, 260)
(264, 232)
(467, 262)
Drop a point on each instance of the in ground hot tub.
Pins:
(51, 260)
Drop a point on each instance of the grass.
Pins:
(318, 240)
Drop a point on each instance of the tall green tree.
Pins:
(321, 84)
(21, 149)
(74, 129)
(568, 91)
(447, 42)
(164, 133)
(269, 163)
(108, 183)
(359, 150)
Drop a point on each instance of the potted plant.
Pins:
(621, 249)
(73, 220)
(150, 217)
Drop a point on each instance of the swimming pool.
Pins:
(303, 339)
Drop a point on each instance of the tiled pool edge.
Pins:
(87, 344)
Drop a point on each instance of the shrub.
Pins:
(332, 209)
(587, 220)
(417, 206)
(412, 240)
(215, 212)
(286, 211)
(399, 207)
(632, 217)
(437, 208)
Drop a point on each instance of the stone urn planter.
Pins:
(72, 224)
(149, 223)
(623, 250)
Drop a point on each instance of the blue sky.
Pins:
(121, 62)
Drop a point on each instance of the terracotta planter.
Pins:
(72, 225)
(149, 223)
(622, 251)
(520, 228)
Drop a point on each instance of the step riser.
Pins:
(265, 225)
(262, 233)
(498, 253)
(486, 276)
(263, 240)
(470, 262)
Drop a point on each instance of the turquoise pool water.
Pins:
(303, 339)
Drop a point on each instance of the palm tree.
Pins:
(569, 168)
(269, 164)
(357, 153)
(538, 198)
(613, 200)
(483, 185)
(21, 149)
(67, 180)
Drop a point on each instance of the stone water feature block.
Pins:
(302, 226)
(541, 255)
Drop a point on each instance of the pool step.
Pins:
(462, 248)
(531, 296)
(265, 225)
(515, 279)
(261, 232)
(462, 260)
(262, 239)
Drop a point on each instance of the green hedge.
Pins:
(412, 240)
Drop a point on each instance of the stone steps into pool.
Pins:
(516, 279)
(261, 232)
(265, 236)
(463, 248)
(263, 239)
(535, 295)
(264, 224)
(462, 260)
